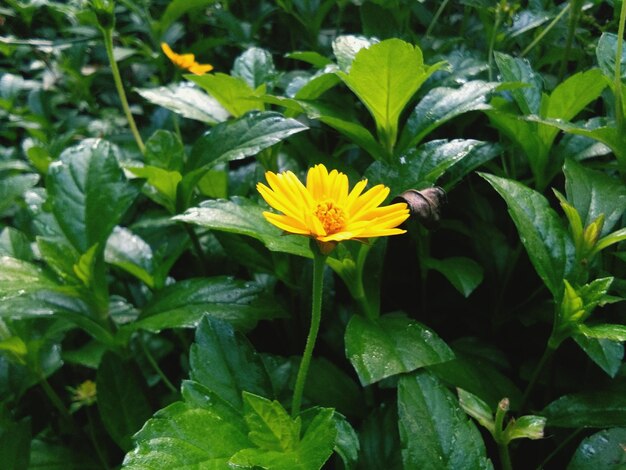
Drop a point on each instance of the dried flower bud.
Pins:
(424, 205)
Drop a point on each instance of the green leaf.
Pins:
(347, 443)
(122, 404)
(513, 69)
(422, 167)
(605, 353)
(595, 409)
(606, 51)
(13, 187)
(604, 449)
(346, 47)
(89, 193)
(569, 98)
(129, 252)
(463, 273)
(15, 439)
(233, 93)
(434, 431)
(310, 453)
(164, 182)
(203, 432)
(390, 345)
(255, 66)
(47, 456)
(604, 331)
(593, 193)
(271, 427)
(385, 77)
(60, 256)
(525, 427)
(234, 140)
(182, 305)
(177, 8)
(244, 217)
(310, 57)
(547, 243)
(165, 150)
(21, 277)
(226, 363)
(84, 268)
(344, 123)
(15, 244)
(380, 441)
(440, 105)
(479, 377)
(477, 409)
(186, 101)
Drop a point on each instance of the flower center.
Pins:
(332, 217)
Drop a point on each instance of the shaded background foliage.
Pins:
(111, 257)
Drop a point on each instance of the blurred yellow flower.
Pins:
(186, 61)
(325, 210)
(83, 395)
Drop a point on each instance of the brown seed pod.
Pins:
(424, 205)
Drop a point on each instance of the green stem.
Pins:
(94, 440)
(432, 24)
(492, 41)
(108, 44)
(619, 109)
(56, 400)
(319, 261)
(547, 353)
(559, 448)
(546, 30)
(500, 438)
(156, 367)
(576, 6)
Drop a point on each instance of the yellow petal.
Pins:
(200, 69)
(286, 223)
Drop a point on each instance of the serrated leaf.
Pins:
(187, 101)
(596, 409)
(547, 243)
(89, 193)
(385, 76)
(346, 47)
(311, 452)
(593, 193)
(122, 404)
(434, 431)
(186, 435)
(390, 345)
(271, 427)
(604, 449)
(463, 273)
(440, 105)
(244, 217)
(165, 182)
(232, 93)
(225, 362)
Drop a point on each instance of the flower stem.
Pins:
(156, 367)
(500, 438)
(432, 24)
(108, 44)
(576, 6)
(546, 30)
(547, 353)
(619, 105)
(56, 400)
(319, 261)
(492, 41)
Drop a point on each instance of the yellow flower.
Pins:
(325, 210)
(83, 395)
(186, 61)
